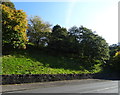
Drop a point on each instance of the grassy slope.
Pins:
(37, 62)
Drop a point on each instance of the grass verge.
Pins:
(38, 62)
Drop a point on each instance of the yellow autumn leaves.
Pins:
(16, 23)
(117, 53)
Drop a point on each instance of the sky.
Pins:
(98, 15)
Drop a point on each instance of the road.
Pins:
(84, 86)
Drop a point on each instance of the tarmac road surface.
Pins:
(74, 86)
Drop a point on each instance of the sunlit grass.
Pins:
(39, 63)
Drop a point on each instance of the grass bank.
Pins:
(36, 61)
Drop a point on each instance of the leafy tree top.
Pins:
(14, 25)
(8, 3)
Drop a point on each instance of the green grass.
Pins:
(37, 62)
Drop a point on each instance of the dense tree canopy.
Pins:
(113, 49)
(58, 38)
(81, 42)
(38, 31)
(87, 45)
(14, 25)
(9, 4)
(114, 62)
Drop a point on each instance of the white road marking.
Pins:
(106, 88)
(97, 90)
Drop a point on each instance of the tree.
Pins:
(14, 25)
(114, 61)
(113, 49)
(38, 31)
(95, 45)
(91, 46)
(58, 38)
(9, 4)
(74, 40)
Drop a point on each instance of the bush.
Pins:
(116, 62)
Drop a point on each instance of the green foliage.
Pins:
(89, 46)
(59, 32)
(9, 4)
(58, 39)
(115, 62)
(80, 43)
(38, 62)
(113, 49)
(14, 25)
(86, 51)
(38, 31)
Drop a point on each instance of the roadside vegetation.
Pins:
(34, 46)
(42, 62)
